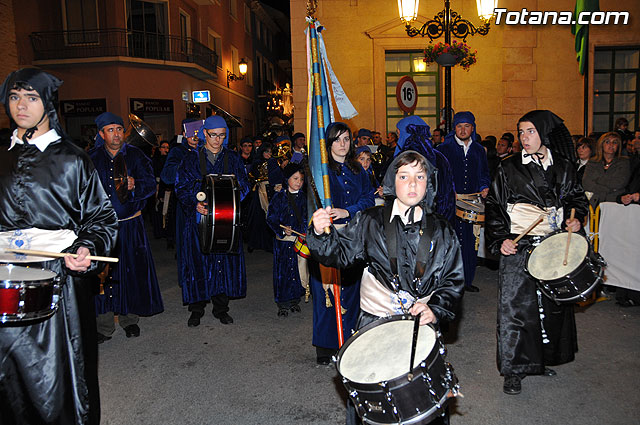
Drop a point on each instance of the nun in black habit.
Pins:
(533, 331)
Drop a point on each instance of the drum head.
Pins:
(9, 272)
(545, 261)
(382, 353)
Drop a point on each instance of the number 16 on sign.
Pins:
(407, 94)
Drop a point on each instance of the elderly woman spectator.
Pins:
(607, 174)
(584, 152)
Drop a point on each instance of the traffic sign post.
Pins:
(407, 94)
(202, 96)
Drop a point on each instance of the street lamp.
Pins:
(242, 67)
(447, 23)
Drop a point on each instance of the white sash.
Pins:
(36, 239)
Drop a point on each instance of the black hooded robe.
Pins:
(519, 327)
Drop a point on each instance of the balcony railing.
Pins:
(57, 45)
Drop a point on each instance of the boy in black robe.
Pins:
(533, 331)
(421, 273)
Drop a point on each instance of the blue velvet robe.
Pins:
(470, 175)
(132, 286)
(260, 235)
(286, 278)
(204, 276)
(168, 176)
(354, 193)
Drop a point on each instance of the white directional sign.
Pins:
(201, 96)
(407, 94)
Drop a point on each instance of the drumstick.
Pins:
(414, 344)
(293, 231)
(528, 229)
(59, 254)
(566, 251)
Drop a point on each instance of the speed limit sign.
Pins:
(407, 94)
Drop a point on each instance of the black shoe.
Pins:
(102, 338)
(471, 288)
(194, 319)
(549, 372)
(512, 385)
(283, 312)
(295, 308)
(225, 319)
(132, 331)
(323, 360)
(626, 303)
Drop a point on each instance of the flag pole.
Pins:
(324, 160)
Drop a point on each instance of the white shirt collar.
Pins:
(293, 191)
(41, 142)
(545, 164)
(465, 146)
(395, 211)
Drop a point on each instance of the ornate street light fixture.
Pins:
(447, 23)
(242, 67)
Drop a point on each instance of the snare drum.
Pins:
(470, 211)
(27, 293)
(300, 247)
(573, 282)
(374, 363)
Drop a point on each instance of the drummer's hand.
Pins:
(573, 224)
(131, 183)
(626, 199)
(425, 313)
(321, 219)
(79, 264)
(201, 207)
(484, 192)
(338, 213)
(635, 197)
(287, 231)
(378, 191)
(508, 247)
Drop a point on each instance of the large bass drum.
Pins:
(565, 283)
(374, 364)
(219, 230)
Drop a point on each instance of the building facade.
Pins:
(145, 57)
(519, 67)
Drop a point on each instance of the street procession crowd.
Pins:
(400, 238)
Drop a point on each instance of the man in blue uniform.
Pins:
(468, 161)
(132, 287)
(205, 277)
(168, 175)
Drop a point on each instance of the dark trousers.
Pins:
(220, 305)
(86, 289)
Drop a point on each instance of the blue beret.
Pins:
(215, 121)
(107, 118)
(464, 117)
(361, 149)
(363, 132)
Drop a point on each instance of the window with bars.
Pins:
(399, 64)
(615, 86)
